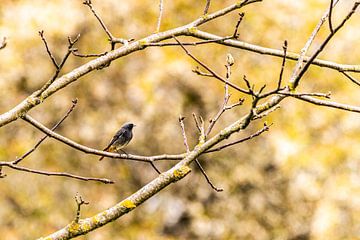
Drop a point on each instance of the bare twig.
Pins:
(188, 43)
(181, 121)
(202, 170)
(79, 201)
(206, 9)
(330, 16)
(297, 76)
(217, 76)
(161, 9)
(112, 39)
(154, 167)
(2, 175)
(300, 63)
(224, 107)
(351, 78)
(3, 43)
(76, 53)
(259, 132)
(282, 65)
(41, 33)
(241, 16)
(16, 161)
(71, 43)
(264, 114)
(330, 104)
(196, 122)
(58, 174)
(322, 95)
(89, 4)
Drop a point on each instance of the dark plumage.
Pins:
(121, 139)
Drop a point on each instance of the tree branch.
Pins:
(16, 161)
(57, 174)
(161, 9)
(273, 52)
(88, 150)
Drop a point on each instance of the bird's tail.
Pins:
(105, 149)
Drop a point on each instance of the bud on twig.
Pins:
(229, 59)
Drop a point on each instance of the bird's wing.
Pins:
(117, 135)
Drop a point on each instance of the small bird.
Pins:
(121, 139)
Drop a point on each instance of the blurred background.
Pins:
(300, 180)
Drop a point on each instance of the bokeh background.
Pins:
(301, 180)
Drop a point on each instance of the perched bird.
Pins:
(121, 139)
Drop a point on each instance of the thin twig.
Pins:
(351, 78)
(207, 177)
(300, 61)
(161, 9)
(224, 107)
(107, 31)
(259, 132)
(79, 201)
(188, 43)
(58, 174)
(76, 53)
(330, 16)
(89, 4)
(323, 95)
(296, 78)
(196, 122)
(71, 43)
(264, 114)
(241, 16)
(154, 167)
(206, 9)
(41, 33)
(3, 43)
(16, 161)
(282, 64)
(330, 104)
(217, 76)
(181, 121)
(2, 175)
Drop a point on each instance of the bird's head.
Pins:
(128, 126)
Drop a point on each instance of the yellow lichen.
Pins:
(205, 16)
(33, 100)
(181, 172)
(86, 226)
(128, 204)
(142, 42)
(192, 30)
(74, 227)
(240, 3)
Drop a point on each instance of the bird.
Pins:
(121, 139)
